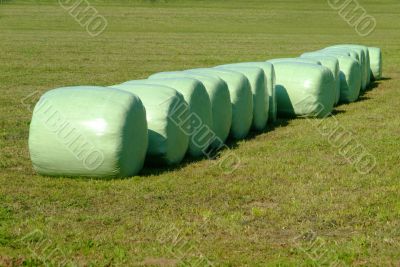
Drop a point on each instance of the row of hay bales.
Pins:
(111, 131)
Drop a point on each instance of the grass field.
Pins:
(293, 201)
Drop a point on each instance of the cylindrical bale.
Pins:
(289, 59)
(375, 55)
(361, 56)
(331, 63)
(269, 72)
(88, 131)
(304, 89)
(199, 123)
(221, 106)
(241, 99)
(366, 59)
(165, 108)
(256, 77)
(350, 75)
(362, 60)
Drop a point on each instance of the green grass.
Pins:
(293, 196)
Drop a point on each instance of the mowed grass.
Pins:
(293, 201)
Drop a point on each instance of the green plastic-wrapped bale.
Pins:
(366, 59)
(165, 107)
(363, 60)
(199, 123)
(350, 75)
(357, 54)
(269, 72)
(331, 63)
(375, 55)
(241, 99)
(256, 77)
(221, 107)
(88, 131)
(304, 89)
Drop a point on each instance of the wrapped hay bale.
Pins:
(375, 56)
(256, 77)
(269, 72)
(241, 99)
(165, 108)
(363, 60)
(366, 59)
(304, 89)
(199, 123)
(221, 107)
(88, 131)
(331, 63)
(350, 75)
